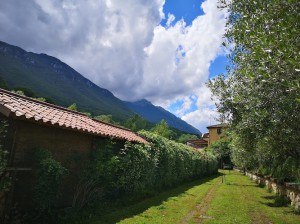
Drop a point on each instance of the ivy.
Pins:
(5, 182)
(139, 169)
(50, 174)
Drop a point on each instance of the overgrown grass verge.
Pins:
(128, 209)
(240, 200)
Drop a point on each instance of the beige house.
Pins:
(217, 132)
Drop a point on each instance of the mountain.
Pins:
(155, 114)
(48, 76)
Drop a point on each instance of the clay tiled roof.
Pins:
(218, 126)
(197, 143)
(205, 135)
(20, 107)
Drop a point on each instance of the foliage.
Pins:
(19, 92)
(5, 182)
(23, 91)
(50, 174)
(41, 99)
(73, 107)
(178, 162)
(162, 129)
(221, 149)
(136, 123)
(260, 94)
(108, 118)
(185, 137)
(26, 91)
(138, 169)
(87, 114)
(105, 117)
(3, 84)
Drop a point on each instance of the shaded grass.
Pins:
(236, 200)
(128, 207)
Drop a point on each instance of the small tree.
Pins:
(136, 123)
(73, 107)
(105, 117)
(162, 129)
(221, 149)
(185, 137)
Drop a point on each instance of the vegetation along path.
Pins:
(236, 199)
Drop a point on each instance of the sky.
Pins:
(164, 51)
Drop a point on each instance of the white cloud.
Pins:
(120, 45)
(205, 113)
(179, 56)
(171, 18)
(201, 118)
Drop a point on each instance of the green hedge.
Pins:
(139, 168)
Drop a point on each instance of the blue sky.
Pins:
(162, 51)
(188, 10)
(182, 9)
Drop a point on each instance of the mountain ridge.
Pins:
(50, 77)
(156, 113)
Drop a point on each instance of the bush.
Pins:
(5, 182)
(50, 174)
(140, 168)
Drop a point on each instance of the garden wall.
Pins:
(289, 190)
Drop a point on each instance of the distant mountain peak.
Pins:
(155, 114)
(50, 77)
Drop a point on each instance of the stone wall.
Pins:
(289, 190)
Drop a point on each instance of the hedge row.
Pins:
(139, 168)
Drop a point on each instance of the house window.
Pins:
(219, 130)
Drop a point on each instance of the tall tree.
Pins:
(260, 93)
(162, 129)
(136, 123)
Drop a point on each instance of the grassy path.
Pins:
(236, 200)
(233, 200)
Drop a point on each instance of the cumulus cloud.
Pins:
(179, 56)
(201, 118)
(206, 113)
(121, 46)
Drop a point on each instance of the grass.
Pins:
(235, 200)
(240, 200)
(127, 208)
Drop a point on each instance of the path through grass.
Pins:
(236, 200)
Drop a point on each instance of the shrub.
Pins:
(139, 169)
(50, 174)
(5, 181)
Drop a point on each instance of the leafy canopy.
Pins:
(162, 129)
(260, 93)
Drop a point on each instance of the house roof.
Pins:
(223, 125)
(205, 135)
(25, 108)
(198, 143)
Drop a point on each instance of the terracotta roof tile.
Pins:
(21, 107)
(223, 125)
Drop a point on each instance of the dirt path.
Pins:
(199, 212)
(257, 217)
(237, 200)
